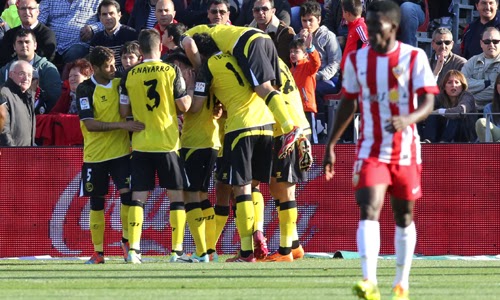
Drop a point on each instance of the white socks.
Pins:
(368, 240)
(404, 243)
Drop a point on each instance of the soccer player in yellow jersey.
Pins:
(257, 57)
(200, 143)
(248, 134)
(287, 173)
(106, 146)
(152, 92)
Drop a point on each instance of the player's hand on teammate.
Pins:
(189, 77)
(133, 126)
(397, 123)
(328, 162)
(218, 110)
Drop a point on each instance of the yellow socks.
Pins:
(210, 224)
(196, 222)
(124, 209)
(288, 223)
(178, 225)
(245, 221)
(258, 204)
(135, 220)
(97, 225)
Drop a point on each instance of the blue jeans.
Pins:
(75, 52)
(412, 16)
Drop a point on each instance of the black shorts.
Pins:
(199, 165)
(167, 165)
(249, 158)
(95, 176)
(287, 169)
(260, 61)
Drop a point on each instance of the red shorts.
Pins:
(404, 181)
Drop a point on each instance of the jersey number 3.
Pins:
(152, 93)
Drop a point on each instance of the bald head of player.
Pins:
(383, 19)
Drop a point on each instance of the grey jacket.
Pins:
(20, 124)
(50, 79)
(479, 74)
(329, 50)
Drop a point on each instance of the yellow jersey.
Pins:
(226, 37)
(152, 88)
(101, 103)
(291, 95)
(200, 130)
(222, 76)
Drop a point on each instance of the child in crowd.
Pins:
(325, 42)
(305, 64)
(357, 36)
(172, 38)
(130, 56)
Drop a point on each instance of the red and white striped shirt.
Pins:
(387, 85)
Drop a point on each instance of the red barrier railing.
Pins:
(41, 212)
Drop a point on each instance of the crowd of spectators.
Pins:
(55, 36)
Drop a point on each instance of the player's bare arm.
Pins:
(191, 50)
(398, 123)
(184, 103)
(98, 126)
(345, 113)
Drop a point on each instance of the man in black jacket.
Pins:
(28, 13)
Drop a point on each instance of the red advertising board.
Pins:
(459, 213)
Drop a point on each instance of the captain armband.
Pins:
(124, 99)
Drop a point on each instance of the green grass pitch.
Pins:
(303, 279)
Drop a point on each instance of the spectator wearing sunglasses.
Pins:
(265, 19)
(488, 17)
(482, 69)
(218, 12)
(443, 59)
(282, 11)
(198, 12)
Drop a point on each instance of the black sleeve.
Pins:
(46, 41)
(179, 87)
(84, 99)
(203, 81)
(6, 44)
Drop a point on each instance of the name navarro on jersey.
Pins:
(150, 69)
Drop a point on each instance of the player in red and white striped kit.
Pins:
(395, 87)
